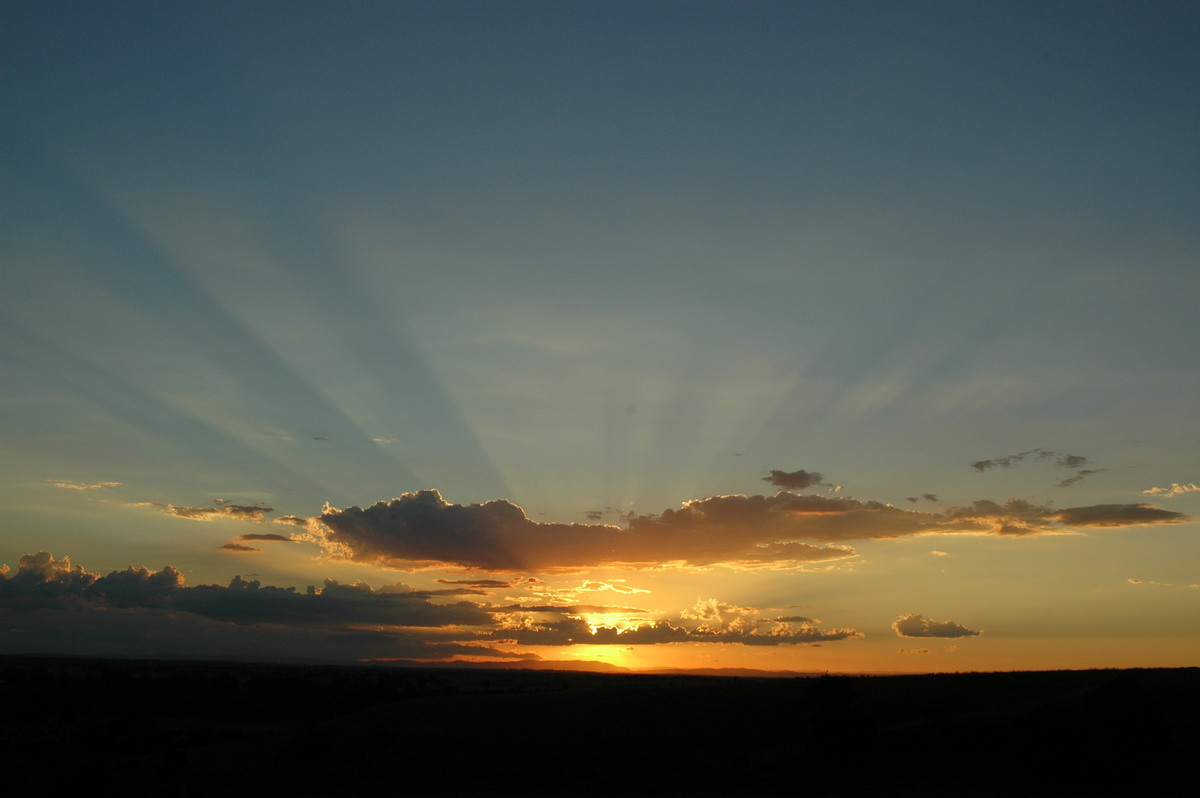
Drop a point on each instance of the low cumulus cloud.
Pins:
(916, 625)
(222, 508)
(787, 530)
(394, 620)
(708, 621)
(1176, 489)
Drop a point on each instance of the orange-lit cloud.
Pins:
(222, 508)
(83, 485)
(240, 547)
(916, 625)
(394, 620)
(1176, 489)
(785, 530)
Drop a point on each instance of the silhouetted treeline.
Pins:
(218, 729)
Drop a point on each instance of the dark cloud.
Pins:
(1019, 517)
(239, 547)
(915, 625)
(1083, 472)
(422, 529)
(1118, 515)
(1071, 461)
(785, 530)
(794, 479)
(135, 605)
(497, 584)
(222, 508)
(266, 536)
(43, 582)
(1061, 460)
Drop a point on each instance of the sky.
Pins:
(848, 337)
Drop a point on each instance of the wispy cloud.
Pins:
(221, 509)
(1073, 462)
(66, 485)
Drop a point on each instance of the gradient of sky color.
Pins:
(922, 276)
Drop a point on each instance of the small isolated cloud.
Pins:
(797, 480)
(267, 536)
(916, 625)
(239, 547)
(938, 553)
(1176, 489)
(222, 508)
(67, 485)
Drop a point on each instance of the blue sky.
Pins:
(602, 259)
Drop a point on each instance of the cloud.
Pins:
(1071, 461)
(787, 530)
(222, 508)
(480, 583)
(267, 536)
(394, 620)
(239, 547)
(1083, 472)
(1176, 489)
(1101, 515)
(83, 485)
(915, 625)
(794, 479)
(1019, 517)
(576, 631)
(43, 582)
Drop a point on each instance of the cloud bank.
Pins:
(46, 597)
(787, 530)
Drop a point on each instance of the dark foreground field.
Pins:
(205, 729)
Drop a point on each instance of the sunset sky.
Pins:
(848, 336)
